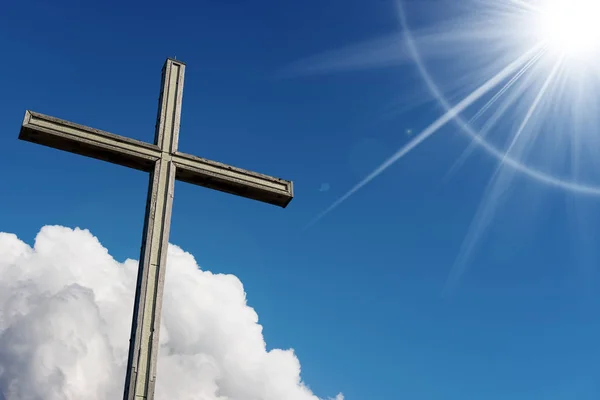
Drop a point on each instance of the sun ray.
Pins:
(506, 87)
(433, 128)
(498, 185)
(484, 215)
(498, 112)
(532, 109)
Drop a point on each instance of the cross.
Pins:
(165, 165)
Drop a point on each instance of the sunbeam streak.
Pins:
(506, 87)
(434, 127)
(532, 109)
(492, 196)
(498, 112)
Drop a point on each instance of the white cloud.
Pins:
(65, 315)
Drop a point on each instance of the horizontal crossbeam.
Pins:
(86, 141)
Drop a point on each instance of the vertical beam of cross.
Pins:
(143, 350)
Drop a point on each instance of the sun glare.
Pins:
(521, 78)
(524, 78)
(569, 27)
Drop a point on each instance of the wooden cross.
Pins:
(165, 165)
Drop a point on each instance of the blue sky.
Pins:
(358, 295)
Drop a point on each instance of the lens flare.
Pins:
(520, 78)
(540, 120)
(553, 101)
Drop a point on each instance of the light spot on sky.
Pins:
(324, 187)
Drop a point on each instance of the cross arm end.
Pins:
(229, 179)
(74, 138)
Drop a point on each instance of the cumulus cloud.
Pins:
(65, 316)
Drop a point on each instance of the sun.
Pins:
(569, 28)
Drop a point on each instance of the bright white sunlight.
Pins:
(569, 27)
